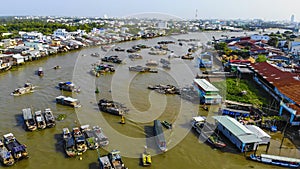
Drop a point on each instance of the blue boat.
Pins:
(277, 160)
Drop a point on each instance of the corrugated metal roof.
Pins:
(237, 129)
(258, 131)
(205, 85)
(283, 81)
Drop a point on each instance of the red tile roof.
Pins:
(283, 81)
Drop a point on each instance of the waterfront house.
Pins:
(208, 93)
(283, 86)
(244, 139)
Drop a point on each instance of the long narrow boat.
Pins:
(17, 149)
(69, 143)
(27, 88)
(40, 120)
(5, 156)
(277, 160)
(29, 119)
(49, 118)
(159, 136)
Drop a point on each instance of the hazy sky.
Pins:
(207, 9)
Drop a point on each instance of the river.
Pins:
(45, 147)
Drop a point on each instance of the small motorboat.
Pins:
(146, 158)
(40, 71)
(166, 124)
(56, 67)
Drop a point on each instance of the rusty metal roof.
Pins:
(285, 82)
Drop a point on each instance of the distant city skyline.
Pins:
(276, 10)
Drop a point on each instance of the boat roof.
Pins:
(280, 158)
(84, 127)
(27, 115)
(199, 119)
(8, 135)
(67, 98)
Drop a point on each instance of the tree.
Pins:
(273, 41)
(261, 58)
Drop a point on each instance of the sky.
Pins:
(206, 9)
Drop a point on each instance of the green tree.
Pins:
(261, 58)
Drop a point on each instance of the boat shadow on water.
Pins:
(59, 144)
(150, 139)
(93, 165)
(20, 121)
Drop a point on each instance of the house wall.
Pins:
(231, 137)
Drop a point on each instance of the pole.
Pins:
(283, 133)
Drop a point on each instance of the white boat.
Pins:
(29, 119)
(40, 120)
(277, 160)
(68, 101)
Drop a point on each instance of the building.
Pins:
(283, 86)
(244, 139)
(205, 60)
(208, 93)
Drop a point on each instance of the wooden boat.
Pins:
(17, 149)
(135, 56)
(68, 86)
(139, 68)
(159, 136)
(40, 120)
(151, 63)
(110, 107)
(216, 141)
(166, 124)
(80, 145)
(68, 101)
(101, 137)
(90, 138)
(277, 160)
(112, 59)
(29, 119)
(28, 88)
(116, 159)
(5, 156)
(212, 138)
(40, 71)
(69, 143)
(104, 162)
(49, 118)
(146, 158)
